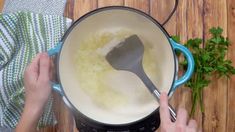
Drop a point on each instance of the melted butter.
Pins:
(107, 87)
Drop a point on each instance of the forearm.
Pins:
(29, 119)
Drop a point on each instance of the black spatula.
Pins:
(128, 56)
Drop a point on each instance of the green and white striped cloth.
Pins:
(22, 36)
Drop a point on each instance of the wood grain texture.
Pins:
(230, 126)
(81, 7)
(102, 3)
(139, 4)
(215, 96)
(160, 10)
(1, 4)
(69, 9)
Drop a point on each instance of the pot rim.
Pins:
(147, 16)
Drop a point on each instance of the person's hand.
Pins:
(37, 92)
(37, 81)
(180, 125)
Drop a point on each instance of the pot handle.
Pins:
(57, 87)
(189, 57)
(51, 52)
(55, 50)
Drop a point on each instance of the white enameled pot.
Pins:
(149, 30)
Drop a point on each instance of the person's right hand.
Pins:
(180, 125)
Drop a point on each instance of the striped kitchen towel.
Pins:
(48, 7)
(22, 36)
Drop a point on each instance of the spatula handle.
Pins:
(139, 71)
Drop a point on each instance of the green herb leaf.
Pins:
(209, 61)
(176, 38)
(216, 31)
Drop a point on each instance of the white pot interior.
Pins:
(134, 102)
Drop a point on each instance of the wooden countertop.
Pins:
(192, 19)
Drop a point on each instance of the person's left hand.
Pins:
(37, 92)
(37, 81)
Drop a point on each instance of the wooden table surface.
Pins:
(192, 19)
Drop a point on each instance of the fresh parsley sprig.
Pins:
(210, 60)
